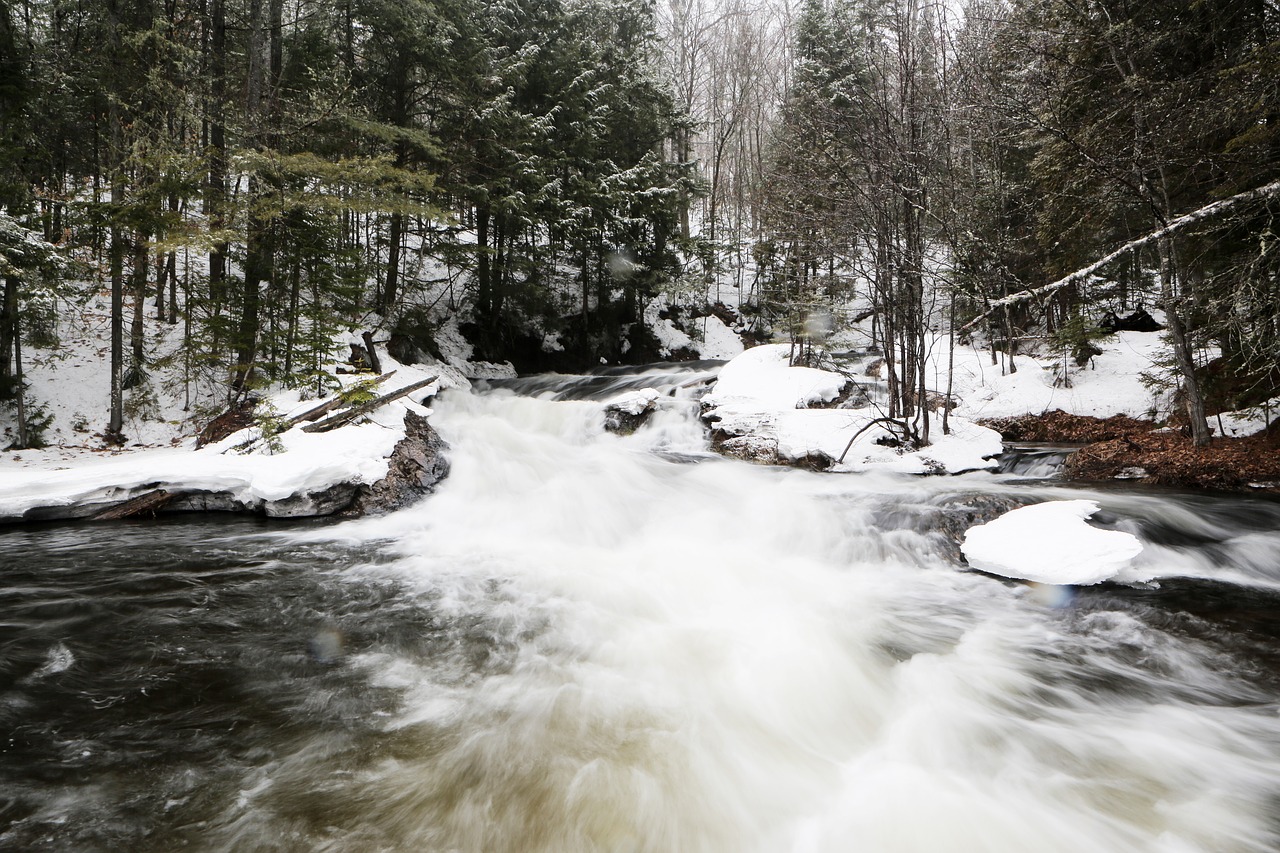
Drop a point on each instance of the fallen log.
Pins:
(346, 417)
(144, 504)
(328, 405)
(1172, 227)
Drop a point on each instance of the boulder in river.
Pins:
(627, 412)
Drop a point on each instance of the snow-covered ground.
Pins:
(1247, 421)
(714, 339)
(1111, 384)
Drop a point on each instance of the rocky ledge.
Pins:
(415, 466)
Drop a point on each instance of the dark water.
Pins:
(148, 668)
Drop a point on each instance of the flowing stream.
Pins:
(586, 642)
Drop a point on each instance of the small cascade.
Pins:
(1035, 461)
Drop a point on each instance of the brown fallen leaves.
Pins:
(1122, 447)
(1058, 426)
(1170, 459)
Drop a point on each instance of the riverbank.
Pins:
(1168, 458)
(1126, 448)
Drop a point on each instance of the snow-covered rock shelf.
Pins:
(764, 409)
(305, 474)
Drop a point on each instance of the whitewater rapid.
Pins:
(721, 657)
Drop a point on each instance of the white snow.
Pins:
(1111, 384)
(1050, 543)
(718, 341)
(633, 402)
(306, 463)
(669, 337)
(1246, 422)
(763, 377)
(758, 394)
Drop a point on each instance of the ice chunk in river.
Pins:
(1050, 543)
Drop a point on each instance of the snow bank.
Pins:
(763, 377)
(1050, 543)
(718, 340)
(1246, 422)
(1110, 385)
(306, 464)
(759, 396)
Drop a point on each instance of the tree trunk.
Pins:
(1181, 346)
(162, 264)
(8, 325)
(391, 282)
(115, 423)
(137, 328)
(216, 193)
(484, 293)
(19, 385)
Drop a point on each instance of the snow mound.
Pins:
(241, 467)
(763, 377)
(760, 396)
(1050, 543)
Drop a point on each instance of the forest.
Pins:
(264, 177)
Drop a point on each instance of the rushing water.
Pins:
(587, 642)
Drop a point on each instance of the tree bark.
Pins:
(8, 325)
(391, 282)
(137, 328)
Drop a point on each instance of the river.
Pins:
(585, 642)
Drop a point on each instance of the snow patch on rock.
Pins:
(1050, 543)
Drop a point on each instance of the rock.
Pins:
(311, 504)
(1138, 321)
(955, 514)
(764, 451)
(417, 464)
(748, 448)
(627, 412)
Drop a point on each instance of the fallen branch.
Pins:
(344, 418)
(1174, 225)
(893, 422)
